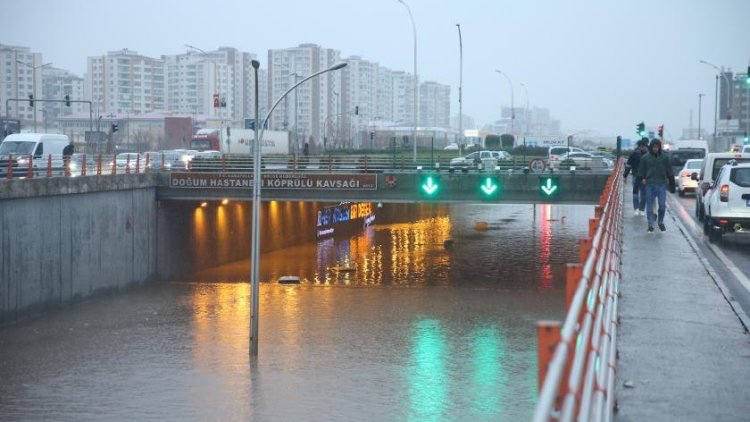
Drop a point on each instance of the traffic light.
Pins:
(661, 131)
(31, 100)
(747, 75)
(356, 109)
(549, 186)
(217, 101)
(641, 129)
(489, 187)
(429, 185)
(67, 100)
(747, 139)
(114, 127)
(372, 135)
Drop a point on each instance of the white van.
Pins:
(711, 166)
(20, 150)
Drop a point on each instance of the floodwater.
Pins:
(388, 324)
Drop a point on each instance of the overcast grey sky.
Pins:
(600, 65)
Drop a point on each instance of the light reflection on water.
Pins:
(417, 332)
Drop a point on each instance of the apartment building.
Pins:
(305, 110)
(20, 76)
(434, 104)
(126, 82)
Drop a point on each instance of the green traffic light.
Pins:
(489, 186)
(549, 186)
(430, 186)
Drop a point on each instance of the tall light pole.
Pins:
(33, 82)
(216, 71)
(512, 107)
(416, 84)
(700, 101)
(460, 89)
(296, 115)
(336, 115)
(255, 253)
(526, 113)
(716, 97)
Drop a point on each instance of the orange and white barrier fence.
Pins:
(577, 358)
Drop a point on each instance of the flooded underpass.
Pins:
(427, 314)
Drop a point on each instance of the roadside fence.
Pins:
(577, 358)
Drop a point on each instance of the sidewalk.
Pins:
(683, 353)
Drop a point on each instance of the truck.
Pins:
(683, 150)
(206, 140)
(239, 141)
(19, 151)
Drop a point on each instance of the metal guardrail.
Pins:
(577, 361)
(88, 165)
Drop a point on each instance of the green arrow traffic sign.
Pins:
(490, 186)
(429, 186)
(549, 186)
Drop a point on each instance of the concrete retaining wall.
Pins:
(98, 236)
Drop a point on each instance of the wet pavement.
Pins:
(683, 353)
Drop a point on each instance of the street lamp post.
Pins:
(216, 71)
(512, 107)
(33, 82)
(416, 84)
(716, 97)
(255, 254)
(526, 113)
(296, 115)
(460, 89)
(700, 101)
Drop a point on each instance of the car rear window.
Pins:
(719, 163)
(741, 177)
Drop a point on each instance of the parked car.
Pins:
(168, 160)
(684, 177)
(129, 161)
(554, 153)
(728, 201)
(476, 157)
(583, 160)
(451, 147)
(710, 169)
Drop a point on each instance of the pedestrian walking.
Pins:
(656, 173)
(632, 166)
(67, 153)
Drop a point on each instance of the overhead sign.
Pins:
(298, 181)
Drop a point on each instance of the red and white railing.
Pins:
(577, 359)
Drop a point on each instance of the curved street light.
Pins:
(255, 248)
(460, 90)
(33, 85)
(716, 96)
(416, 85)
(526, 113)
(216, 68)
(512, 107)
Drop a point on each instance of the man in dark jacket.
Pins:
(631, 166)
(656, 173)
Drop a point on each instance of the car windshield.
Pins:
(741, 177)
(680, 156)
(16, 147)
(694, 165)
(719, 163)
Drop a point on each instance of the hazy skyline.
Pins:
(597, 65)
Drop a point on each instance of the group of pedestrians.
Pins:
(652, 176)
